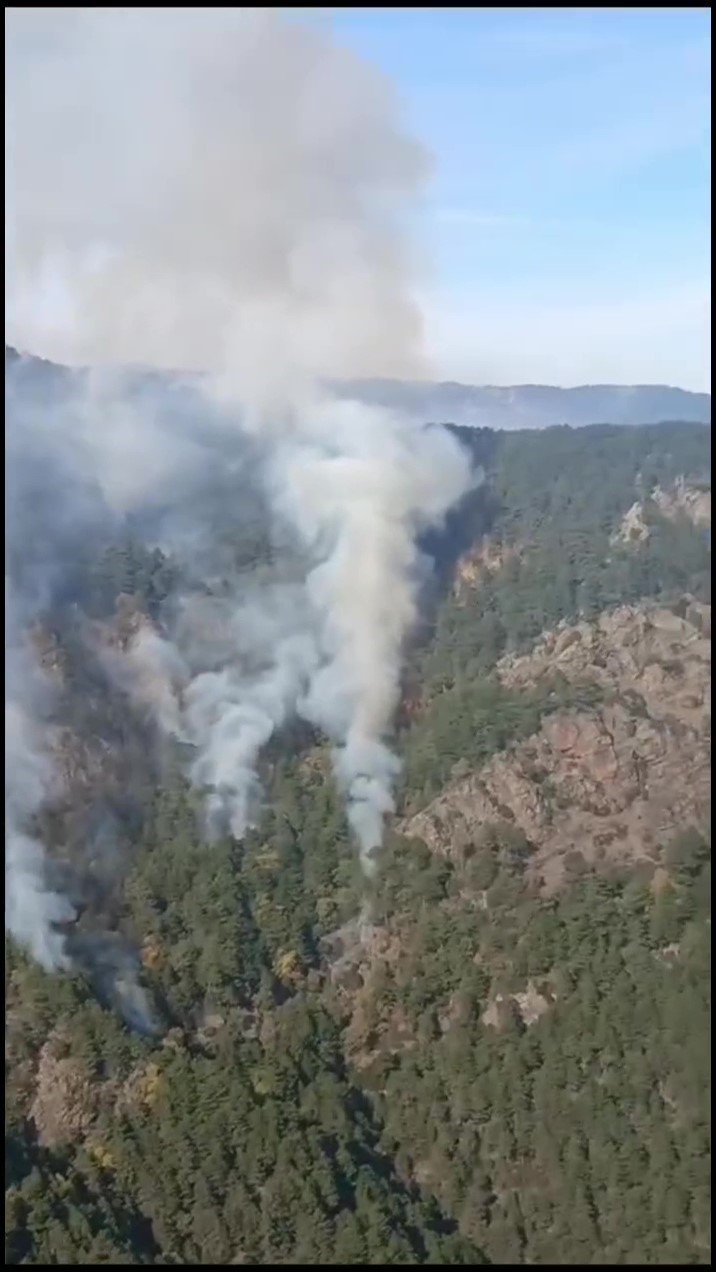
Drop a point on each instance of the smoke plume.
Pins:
(32, 908)
(226, 189)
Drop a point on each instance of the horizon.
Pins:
(146, 368)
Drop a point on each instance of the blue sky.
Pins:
(568, 224)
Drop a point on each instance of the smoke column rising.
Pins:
(31, 907)
(226, 189)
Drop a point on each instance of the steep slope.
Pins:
(608, 784)
(530, 1005)
(499, 1048)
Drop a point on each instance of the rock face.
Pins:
(663, 656)
(613, 782)
(680, 500)
(685, 500)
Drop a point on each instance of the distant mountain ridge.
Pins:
(509, 407)
(536, 405)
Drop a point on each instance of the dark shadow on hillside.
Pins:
(467, 522)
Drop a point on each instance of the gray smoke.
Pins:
(359, 486)
(232, 712)
(227, 189)
(151, 672)
(32, 907)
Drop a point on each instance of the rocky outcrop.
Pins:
(683, 499)
(529, 1002)
(647, 650)
(480, 563)
(66, 1099)
(610, 783)
(633, 528)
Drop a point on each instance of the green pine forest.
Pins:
(289, 1106)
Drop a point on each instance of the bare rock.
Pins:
(682, 499)
(610, 783)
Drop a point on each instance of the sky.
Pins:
(565, 234)
(566, 239)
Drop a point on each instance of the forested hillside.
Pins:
(497, 1048)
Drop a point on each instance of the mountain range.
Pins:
(508, 407)
(536, 405)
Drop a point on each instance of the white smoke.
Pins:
(359, 485)
(152, 673)
(227, 189)
(217, 188)
(32, 907)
